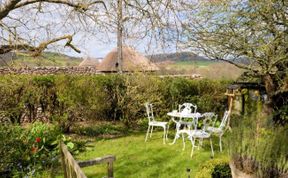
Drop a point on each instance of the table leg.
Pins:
(178, 125)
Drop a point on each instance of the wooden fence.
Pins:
(72, 168)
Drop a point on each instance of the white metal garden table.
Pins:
(180, 115)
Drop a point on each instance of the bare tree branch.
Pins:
(36, 51)
(4, 11)
(80, 6)
(12, 28)
(242, 66)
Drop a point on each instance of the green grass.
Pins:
(47, 59)
(190, 64)
(135, 158)
(209, 69)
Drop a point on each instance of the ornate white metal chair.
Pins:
(184, 126)
(219, 131)
(187, 108)
(211, 117)
(200, 134)
(153, 122)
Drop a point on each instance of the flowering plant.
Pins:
(28, 151)
(38, 140)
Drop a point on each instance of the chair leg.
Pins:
(211, 144)
(147, 133)
(193, 145)
(200, 143)
(151, 131)
(220, 143)
(177, 135)
(175, 138)
(183, 139)
(164, 136)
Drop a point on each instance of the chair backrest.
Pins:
(212, 116)
(149, 111)
(224, 119)
(209, 114)
(187, 108)
(207, 122)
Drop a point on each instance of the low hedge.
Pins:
(214, 168)
(66, 98)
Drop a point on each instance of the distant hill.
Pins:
(188, 57)
(176, 57)
(188, 63)
(46, 59)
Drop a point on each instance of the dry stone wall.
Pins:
(49, 70)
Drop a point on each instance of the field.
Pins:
(188, 65)
(206, 68)
(47, 59)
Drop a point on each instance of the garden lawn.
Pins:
(137, 159)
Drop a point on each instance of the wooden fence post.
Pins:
(110, 169)
(72, 168)
(63, 161)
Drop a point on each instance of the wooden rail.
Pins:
(72, 168)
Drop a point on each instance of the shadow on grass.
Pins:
(108, 131)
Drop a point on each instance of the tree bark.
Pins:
(269, 85)
(118, 65)
(270, 88)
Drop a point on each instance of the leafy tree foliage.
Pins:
(254, 31)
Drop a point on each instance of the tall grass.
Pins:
(257, 144)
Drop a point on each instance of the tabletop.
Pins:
(184, 115)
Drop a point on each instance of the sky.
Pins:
(93, 47)
(50, 22)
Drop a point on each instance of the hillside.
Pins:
(46, 59)
(188, 63)
(181, 56)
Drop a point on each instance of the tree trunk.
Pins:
(118, 65)
(270, 89)
(269, 85)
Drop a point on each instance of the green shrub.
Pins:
(68, 98)
(222, 171)
(27, 151)
(12, 150)
(214, 167)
